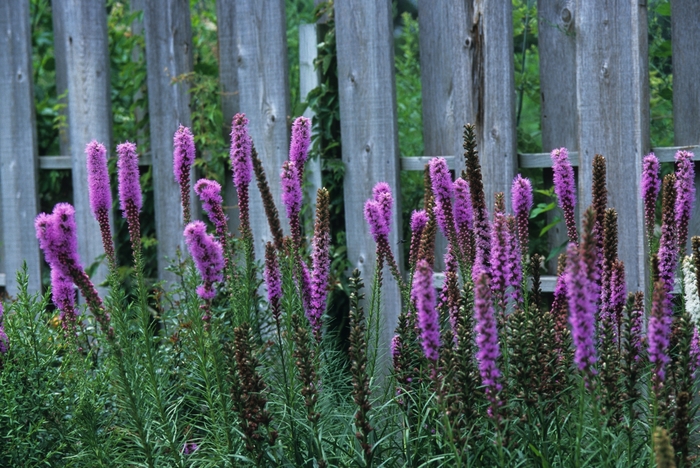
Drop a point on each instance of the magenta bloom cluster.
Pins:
(209, 192)
(321, 267)
(291, 189)
(565, 188)
(462, 210)
(522, 201)
(685, 194)
(57, 237)
(443, 190)
(4, 340)
(501, 243)
(273, 279)
(486, 335)
(378, 211)
(300, 141)
(208, 257)
(659, 332)
(582, 295)
(419, 219)
(98, 178)
(423, 295)
(63, 297)
(183, 153)
(651, 186)
(241, 151)
(129, 185)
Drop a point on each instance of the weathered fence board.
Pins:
(557, 52)
(685, 38)
(308, 80)
(261, 61)
(83, 39)
(613, 104)
(18, 146)
(169, 56)
(369, 132)
(495, 96)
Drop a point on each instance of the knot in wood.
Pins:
(468, 42)
(368, 148)
(566, 16)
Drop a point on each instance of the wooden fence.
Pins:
(594, 95)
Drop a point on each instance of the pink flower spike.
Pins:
(300, 142)
(423, 295)
(651, 185)
(565, 188)
(98, 178)
(208, 257)
(685, 195)
(183, 154)
(129, 185)
(241, 151)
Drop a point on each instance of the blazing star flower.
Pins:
(565, 188)
(374, 216)
(98, 179)
(63, 296)
(209, 192)
(514, 267)
(423, 295)
(685, 195)
(382, 195)
(273, 280)
(208, 257)
(487, 340)
(321, 263)
(500, 245)
(659, 333)
(129, 185)
(4, 340)
(300, 142)
(694, 351)
(292, 198)
(668, 244)
(522, 204)
(651, 185)
(463, 215)
(241, 152)
(183, 158)
(443, 191)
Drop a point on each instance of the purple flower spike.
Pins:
(418, 221)
(292, 198)
(695, 351)
(98, 179)
(522, 204)
(651, 185)
(382, 195)
(685, 195)
(129, 185)
(4, 340)
(300, 142)
(273, 280)
(565, 188)
(659, 334)
(63, 296)
(321, 267)
(582, 298)
(208, 257)
(423, 295)
(241, 151)
(183, 158)
(444, 192)
(500, 246)
(374, 215)
(487, 340)
(209, 191)
(514, 269)
(463, 214)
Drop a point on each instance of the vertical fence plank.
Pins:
(557, 50)
(685, 17)
(495, 96)
(230, 95)
(445, 59)
(264, 97)
(83, 39)
(308, 80)
(613, 104)
(370, 138)
(18, 146)
(169, 56)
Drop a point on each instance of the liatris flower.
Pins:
(378, 216)
(100, 194)
(183, 158)
(4, 340)
(609, 254)
(560, 308)
(500, 244)
(695, 243)
(418, 221)
(665, 456)
(57, 238)
(208, 257)
(299, 144)
(659, 333)
(690, 290)
(522, 204)
(651, 184)
(487, 341)
(582, 294)
(464, 219)
(695, 351)
(273, 219)
(449, 295)
(482, 238)
(514, 267)
(209, 192)
(381, 193)
(189, 448)
(292, 198)
(63, 296)
(443, 192)
(565, 188)
(618, 296)
(320, 262)
(130, 191)
(423, 295)
(242, 167)
(685, 195)
(273, 280)
(668, 247)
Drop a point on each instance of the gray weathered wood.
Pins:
(18, 146)
(83, 38)
(136, 54)
(557, 51)
(685, 18)
(309, 79)
(613, 104)
(495, 88)
(169, 56)
(261, 61)
(544, 160)
(417, 163)
(370, 138)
